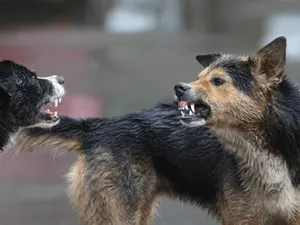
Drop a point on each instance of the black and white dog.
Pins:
(22, 97)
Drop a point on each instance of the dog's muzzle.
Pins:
(193, 109)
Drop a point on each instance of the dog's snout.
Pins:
(60, 79)
(181, 88)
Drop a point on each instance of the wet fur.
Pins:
(22, 95)
(256, 115)
(126, 163)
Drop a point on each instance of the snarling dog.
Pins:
(22, 97)
(254, 110)
(126, 163)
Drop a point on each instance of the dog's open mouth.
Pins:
(194, 114)
(48, 115)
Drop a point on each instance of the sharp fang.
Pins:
(193, 107)
(182, 113)
(186, 107)
(56, 103)
(190, 112)
(59, 100)
(55, 113)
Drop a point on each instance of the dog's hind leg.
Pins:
(92, 208)
(105, 195)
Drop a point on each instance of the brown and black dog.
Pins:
(254, 110)
(125, 163)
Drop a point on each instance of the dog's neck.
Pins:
(263, 174)
(268, 154)
(281, 124)
(259, 169)
(277, 136)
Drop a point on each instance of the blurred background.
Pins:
(118, 56)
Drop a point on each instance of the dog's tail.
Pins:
(67, 135)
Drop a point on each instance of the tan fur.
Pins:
(244, 58)
(235, 207)
(27, 144)
(295, 220)
(226, 100)
(98, 194)
(268, 195)
(265, 178)
(96, 189)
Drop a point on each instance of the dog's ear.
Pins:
(207, 59)
(269, 62)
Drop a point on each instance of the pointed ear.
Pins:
(205, 60)
(270, 61)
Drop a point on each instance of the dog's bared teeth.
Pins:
(193, 108)
(56, 103)
(55, 113)
(182, 113)
(190, 112)
(186, 107)
(59, 100)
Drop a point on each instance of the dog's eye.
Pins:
(217, 81)
(19, 81)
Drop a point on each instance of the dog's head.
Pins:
(232, 90)
(23, 95)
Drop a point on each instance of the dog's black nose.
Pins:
(181, 88)
(60, 79)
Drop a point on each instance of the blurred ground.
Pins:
(109, 74)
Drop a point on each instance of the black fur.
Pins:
(190, 161)
(239, 71)
(22, 95)
(282, 124)
(282, 121)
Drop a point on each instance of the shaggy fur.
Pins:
(125, 163)
(22, 94)
(254, 110)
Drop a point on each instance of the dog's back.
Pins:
(125, 163)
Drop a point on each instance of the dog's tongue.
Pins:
(182, 104)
